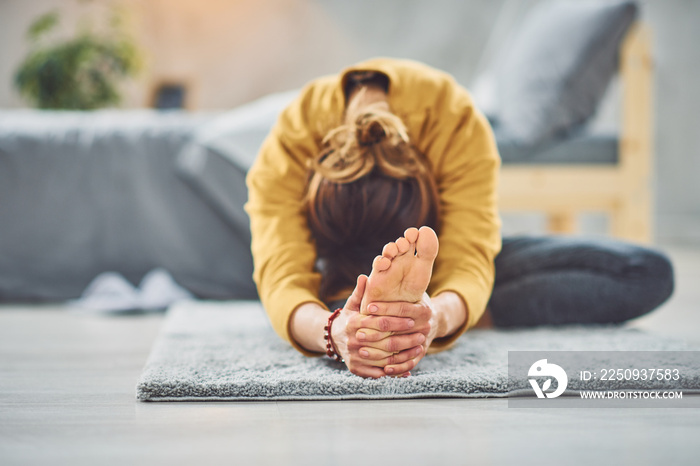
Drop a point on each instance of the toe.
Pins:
(411, 235)
(381, 263)
(427, 244)
(403, 245)
(390, 250)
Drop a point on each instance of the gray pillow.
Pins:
(556, 69)
(215, 163)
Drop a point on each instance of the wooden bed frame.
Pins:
(624, 191)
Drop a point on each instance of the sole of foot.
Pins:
(403, 271)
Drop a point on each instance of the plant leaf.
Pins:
(42, 25)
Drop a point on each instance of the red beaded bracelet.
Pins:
(331, 351)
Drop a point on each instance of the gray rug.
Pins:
(227, 351)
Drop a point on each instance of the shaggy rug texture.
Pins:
(227, 351)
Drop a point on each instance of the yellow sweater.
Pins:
(443, 123)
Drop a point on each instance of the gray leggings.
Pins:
(558, 280)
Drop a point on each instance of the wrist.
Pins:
(306, 326)
(451, 313)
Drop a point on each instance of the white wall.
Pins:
(232, 51)
(227, 51)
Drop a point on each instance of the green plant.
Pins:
(79, 73)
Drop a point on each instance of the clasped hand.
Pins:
(389, 338)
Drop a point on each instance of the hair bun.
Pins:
(369, 130)
(372, 137)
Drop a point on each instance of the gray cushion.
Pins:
(556, 69)
(84, 193)
(581, 148)
(215, 163)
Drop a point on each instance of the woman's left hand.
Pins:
(406, 344)
(377, 343)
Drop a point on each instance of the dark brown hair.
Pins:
(366, 186)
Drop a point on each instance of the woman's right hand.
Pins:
(406, 345)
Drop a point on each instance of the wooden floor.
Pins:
(67, 385)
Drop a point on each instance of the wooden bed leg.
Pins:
(632, 219)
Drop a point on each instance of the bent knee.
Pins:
(651, 272)
(658, 275)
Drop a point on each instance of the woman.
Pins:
(357, 161)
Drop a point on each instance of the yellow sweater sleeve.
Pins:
(460, 144)
(282, 245)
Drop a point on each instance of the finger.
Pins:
(396, 343)
(353, 302)
(399, 309)
(386, 323)
(398, 369)
(370, 335)
(366, 371)
(381, 358)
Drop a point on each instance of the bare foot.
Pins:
(402, 272)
